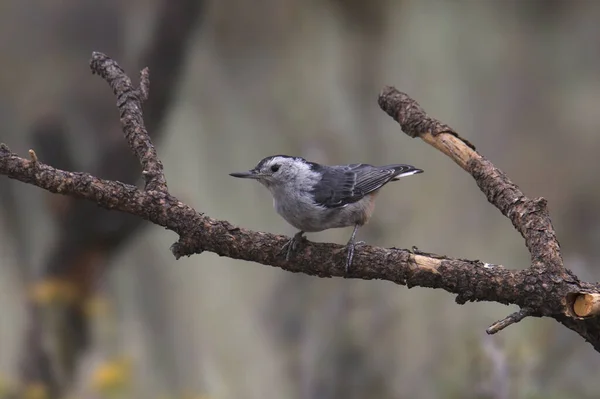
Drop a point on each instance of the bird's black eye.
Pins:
(275, 168)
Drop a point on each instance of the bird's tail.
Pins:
(402, 170)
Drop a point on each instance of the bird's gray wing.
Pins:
(343, 185)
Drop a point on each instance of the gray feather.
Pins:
(345, 184)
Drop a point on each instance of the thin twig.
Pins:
(144, 84)
(129, 101)
(508, 320)
(33, 157)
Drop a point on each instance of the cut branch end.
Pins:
(587, 305)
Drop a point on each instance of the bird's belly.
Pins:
(300, 217)
(310, 218)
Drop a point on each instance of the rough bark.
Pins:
(546, 288)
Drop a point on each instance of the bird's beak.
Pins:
(247, 175)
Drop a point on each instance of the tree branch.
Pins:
(530, 217)
(129, 101)
(200, 233)
(544, 289)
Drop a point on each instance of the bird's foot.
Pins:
(351, 247)
(292, 244)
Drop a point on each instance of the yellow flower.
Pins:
(98, 305)
(112, 376)
(35, 390)
(5, 387)
(54, 290)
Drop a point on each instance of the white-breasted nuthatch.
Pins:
(313, 197)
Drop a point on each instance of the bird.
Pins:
(313, 197)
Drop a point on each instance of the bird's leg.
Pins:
(351, 245)
(291, 245)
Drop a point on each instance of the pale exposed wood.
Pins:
(587, 305)
(452, 146)
(33, 156)
(426, 262)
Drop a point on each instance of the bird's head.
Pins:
(278, 170)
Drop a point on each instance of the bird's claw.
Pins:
(288, 247)
(291, 245)
(351, 247)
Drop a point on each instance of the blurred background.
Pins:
(94, 305)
